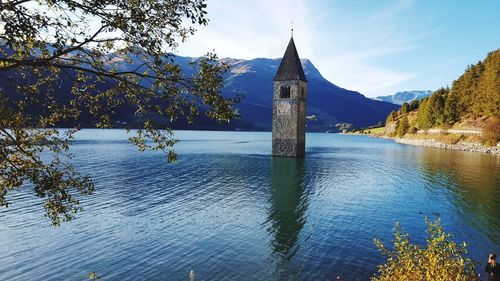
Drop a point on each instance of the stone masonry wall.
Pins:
(289, 120)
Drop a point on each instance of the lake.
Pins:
(230, 211)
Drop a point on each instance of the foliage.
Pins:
(402, 127)
(405, 108)
(414, 105)
(412, 130)
(440, 259)
(491, 132)
(424, 118)
(451, 112)
(116, 54)
(431, 110)
(94, 277)
(392, 117)
(475, 93)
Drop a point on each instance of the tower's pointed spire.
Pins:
(290, 67)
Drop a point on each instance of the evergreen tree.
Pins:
(490, 85)
(405, 108)
(414, 105)
(424, 120)
(475, 93)
(436, 107)
(392, 116)
(402, 127)
(451, 113)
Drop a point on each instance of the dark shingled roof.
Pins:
(290, 67)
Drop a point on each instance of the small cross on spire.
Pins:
(292, 26)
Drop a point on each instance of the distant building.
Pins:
(289, 106)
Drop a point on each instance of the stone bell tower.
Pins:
(289, 106)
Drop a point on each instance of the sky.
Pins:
(374, 47)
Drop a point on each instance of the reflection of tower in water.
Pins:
(288, 205)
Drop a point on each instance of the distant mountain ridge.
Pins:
(405, 96)
(329, 107)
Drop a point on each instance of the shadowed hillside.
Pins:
(329, 103)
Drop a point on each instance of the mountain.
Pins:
(406, 96)
(330, 108)
(328, 105)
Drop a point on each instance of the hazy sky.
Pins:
(374, 47)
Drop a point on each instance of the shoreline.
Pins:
(460, 146)
(464, 140)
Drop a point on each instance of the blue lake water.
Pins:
(230, 211)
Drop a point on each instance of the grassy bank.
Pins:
(368, 131)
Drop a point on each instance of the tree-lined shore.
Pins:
(463, 117)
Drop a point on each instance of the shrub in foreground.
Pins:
(441, 259)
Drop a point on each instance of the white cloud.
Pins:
(345, 50)
(247, 29)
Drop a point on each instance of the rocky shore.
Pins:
(462, 146)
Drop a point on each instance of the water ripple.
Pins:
(229, 211)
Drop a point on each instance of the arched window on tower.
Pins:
(301, 93)
(285, 92)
